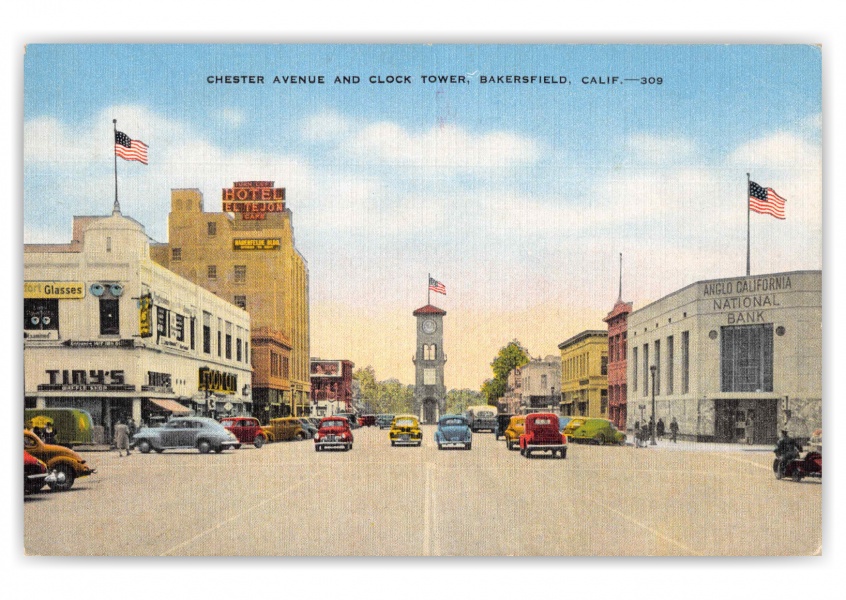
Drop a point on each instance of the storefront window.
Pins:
(109, 317)
(41, 313)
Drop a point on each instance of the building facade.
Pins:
(109, 331)
(540, 382)
(510, 401)
(246, 255)
(735, 359)
(617, 321)
(331, 387)
(584, 374)
(429, 360)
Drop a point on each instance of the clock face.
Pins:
(429, 326)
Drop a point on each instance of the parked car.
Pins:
(586, 430)
(367, 420)
(405, 431)
(516, 427)
(453, 430)
(248, 430)
(36, 474)
(334, 432)
(542, 434)
(308, 427)
(384, 421)
(68, 465)
(482, 418)
(284, 429)
(502, 420)
(351, 417)
(181, 433)
(315, 421)
(71, 426)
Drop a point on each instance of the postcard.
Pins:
(335, 300)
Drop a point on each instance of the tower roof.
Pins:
(429, 310)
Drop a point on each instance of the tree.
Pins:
(383, 397)
(511, 356)
(457, 401)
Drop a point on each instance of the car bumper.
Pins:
(554, 447)
(335, 444)
(43, 477)
(407, 442)
(453, 443)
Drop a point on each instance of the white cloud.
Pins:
(325, 126)
(659, 149)
(779, 150)
(231, 116)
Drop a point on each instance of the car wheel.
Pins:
(64, 479)
(797, 476)
(779, 472)
(599, 440)
(393, 443)
(219, 449)
(300, 437)
(528, 453)
(349, 447)
(564, 453)
(440, 447)
(203, 446)
(509, 445)
(258, 442)
(143, 446)
(467, 446)
(316, 448)
(522, 452)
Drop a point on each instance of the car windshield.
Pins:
(405, 423)
(333, 423)
(486, 414)
(448, 422)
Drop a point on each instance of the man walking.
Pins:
(122, 438)
(674, 429)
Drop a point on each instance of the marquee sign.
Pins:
(257, 244)
(253, 199)
(62, 290)
(217, 381)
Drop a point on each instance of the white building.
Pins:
(735, 359)
(109, 331)
(541, 383)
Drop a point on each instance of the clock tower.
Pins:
(429, 360)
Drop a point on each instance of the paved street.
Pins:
(286, 499)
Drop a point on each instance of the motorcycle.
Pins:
(797, 469)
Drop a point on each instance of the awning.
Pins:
(171, 406)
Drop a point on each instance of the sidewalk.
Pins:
(689, 446)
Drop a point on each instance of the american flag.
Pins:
(129, 149)
(765, 201)
(437, 286)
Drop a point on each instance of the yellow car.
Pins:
(516, 428)
(284, 429)
(405, 431)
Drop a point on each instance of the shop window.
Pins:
(657, 360)
(634, 369)
(109, 316)
(746, 358)
(685, 362)
(41, 314)
(670, 358)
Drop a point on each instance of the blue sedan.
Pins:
(453, 431)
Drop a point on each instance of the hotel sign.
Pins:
(61, 290)
(253, 199)
(259, 244)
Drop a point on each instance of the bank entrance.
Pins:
(746, 421)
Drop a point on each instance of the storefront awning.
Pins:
(171, 406)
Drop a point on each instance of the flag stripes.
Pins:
(765, 201)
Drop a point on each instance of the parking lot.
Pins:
(287, 500)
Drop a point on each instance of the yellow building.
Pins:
(584, 374)
(246, 255)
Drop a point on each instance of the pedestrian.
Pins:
(49, 436)
(122, 438)
(660, 429)
(636, 432)
(644, 433)
(674, 429)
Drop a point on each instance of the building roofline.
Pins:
(702, 281)
(583, 336)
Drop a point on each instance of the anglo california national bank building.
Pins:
(736, 360)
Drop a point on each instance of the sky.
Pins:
(519, 197)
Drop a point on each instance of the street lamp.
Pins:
(652, 370)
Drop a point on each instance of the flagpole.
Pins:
(428, 290)
(748, 218)
(114, 137)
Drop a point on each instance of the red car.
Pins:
(334, 432)
(367, 420)
(246, 429)
(35, 474)
(543, 435)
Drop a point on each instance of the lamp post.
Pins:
(652, 370)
